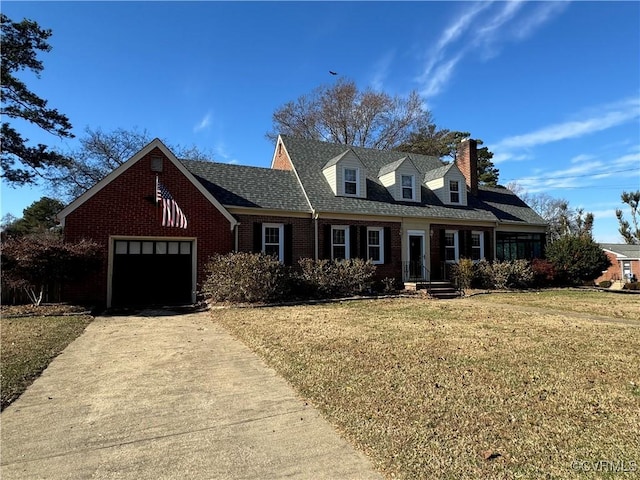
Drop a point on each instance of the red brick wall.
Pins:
(281, 160)
(614, 272)
(303, 233)
(127, 207)
(435, 245)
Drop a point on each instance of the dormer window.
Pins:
(454, 191)
(351, 181)
(408, 187)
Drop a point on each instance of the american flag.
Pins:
(172, 216)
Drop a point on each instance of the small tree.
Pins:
(33, 262)
(39, 217)
(577, 259)
(630, 234)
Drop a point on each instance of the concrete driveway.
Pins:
(161, 396)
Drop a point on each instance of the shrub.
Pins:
(330, 278)
(632, 286)
(31, 262)
(245, 277)
(463, 273)
(544, 274)
(501, 275)
(604, 284)
(577, 259)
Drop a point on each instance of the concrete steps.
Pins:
(436, 289)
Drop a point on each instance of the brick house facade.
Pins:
(405, 212)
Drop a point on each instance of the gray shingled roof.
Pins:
(436, 173)
(310, 156)
(622, 249)
(243, 186)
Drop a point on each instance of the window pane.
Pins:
(449, 239)
(374, 237)
(121, 248)
(134, 247)
(450, 254)
(173, 248)
(475, 254)
(407, 193)
(407, 181)
(147, 248)
(349, 175)
(271, 235)
(350, 188)
(453, 185)
(455, 197)
(273, 250)
(475, 239)
(339, 253)
(185, 248)
(338, 237)
(161, 248)
(374, 253)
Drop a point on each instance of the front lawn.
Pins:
(29, 344)
(458, 389)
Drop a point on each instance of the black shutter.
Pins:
(288, 244)
(327, 242)
(466, 244)
(353, 242)
(364, 253)
(387, 244)
(488, 249)
(257, 237)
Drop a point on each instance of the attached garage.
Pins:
(153, 272)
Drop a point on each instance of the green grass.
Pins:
(27, 346)
(459, 389)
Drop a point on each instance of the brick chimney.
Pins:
(467, 161)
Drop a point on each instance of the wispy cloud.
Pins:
(482, 29)
(381, 70)
(203, 124)
(597, 119)
(585, 170)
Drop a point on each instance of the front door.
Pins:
(416, 267)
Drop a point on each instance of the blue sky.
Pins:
(553, 88)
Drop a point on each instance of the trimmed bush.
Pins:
(501, 275)
(632, 286)
(604, 284)
(329, 278)
(245, 277)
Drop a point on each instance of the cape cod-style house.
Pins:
(160, 219)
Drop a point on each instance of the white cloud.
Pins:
(381, 71)
(482, 28)
(203, 124)
(598, 119)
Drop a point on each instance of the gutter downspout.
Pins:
(236, 237)
(315, 216)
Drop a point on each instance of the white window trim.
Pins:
(481, 248)
(344, 181)
(280, 227)
(380, 230)
(456, 246)
(455, 191)
(347, 253)
(413, 188)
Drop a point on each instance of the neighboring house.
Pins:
(410, 214)
(625, 262)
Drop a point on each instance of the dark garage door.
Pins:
(152, 272)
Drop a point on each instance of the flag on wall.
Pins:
(172, 215)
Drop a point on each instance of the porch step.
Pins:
(437, 289)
